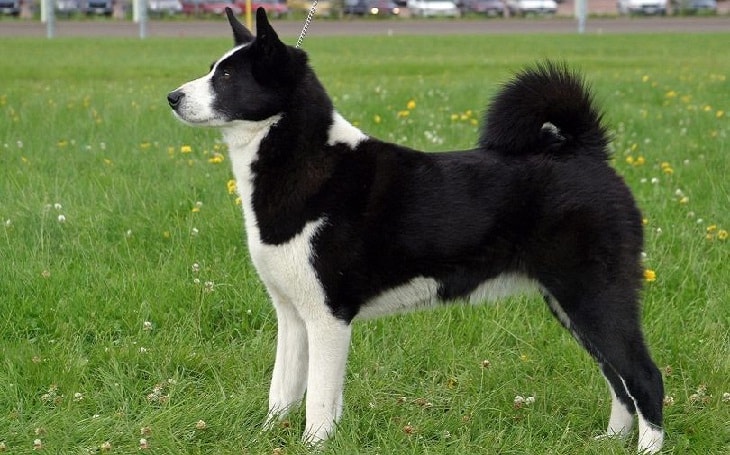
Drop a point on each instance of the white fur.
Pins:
(421, 292)
(343, 132)
(621, 420)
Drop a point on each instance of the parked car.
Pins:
(371, 7)
(525, 7)
(694, 6)
(67, 7)
(216, 7)
(104, 7)
(274, 8)
(486, 7)
(162, 7)
(324, 7)
(428, 8)
(647, 7)
(11, 7)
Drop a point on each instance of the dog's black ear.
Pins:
(273, 61)
(264, 30)
(241, 35)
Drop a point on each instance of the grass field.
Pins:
(131, 311)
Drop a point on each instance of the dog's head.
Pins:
(251, 82)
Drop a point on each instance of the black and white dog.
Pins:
(343, 226)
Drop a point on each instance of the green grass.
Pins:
(85, 133)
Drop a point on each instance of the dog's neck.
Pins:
(242, 135)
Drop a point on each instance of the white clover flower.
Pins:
(78, 396)
(57, 206)
(147, 326)
(61, 218)
(201, 425)
(209, 285)
(195, 267)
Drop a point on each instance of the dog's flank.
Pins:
(343, 226)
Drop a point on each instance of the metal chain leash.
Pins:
(307, 21)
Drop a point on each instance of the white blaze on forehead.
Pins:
(226, 55)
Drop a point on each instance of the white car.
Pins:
(525, 7)
(648, 7)
(433, 8)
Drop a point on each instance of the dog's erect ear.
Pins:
(241, 35)
(264, 30)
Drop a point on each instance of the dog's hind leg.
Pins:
(329, 344)
(621, 420)
(607, 325)
(289, 379)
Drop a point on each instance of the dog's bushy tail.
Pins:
(545, 109)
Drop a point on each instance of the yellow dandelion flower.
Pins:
(649, 275)
(186, 149)
(707, 108)
(238, 201)
(403, 114)
(629, 159)
(640, 161)
(454, 117)
(684, 200)
(411, 105)
(722, 234)
(668, 170)
(231, 185)
(671, 94)
(645, 78)
(473, 122)
(645, 221)
(377, 119)
(195, 209)
(711, 228)
(145, 145)
(720, 114)
(217, 158)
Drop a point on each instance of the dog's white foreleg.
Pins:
(289, 379)
(329, 343)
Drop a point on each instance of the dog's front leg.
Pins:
(289, 379)
(329, 343)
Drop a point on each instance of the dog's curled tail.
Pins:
(545, 109)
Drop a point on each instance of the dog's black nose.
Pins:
(173, 98)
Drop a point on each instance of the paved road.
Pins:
(288, 28)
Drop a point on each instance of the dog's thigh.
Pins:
(289, 379)
(329, 343)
